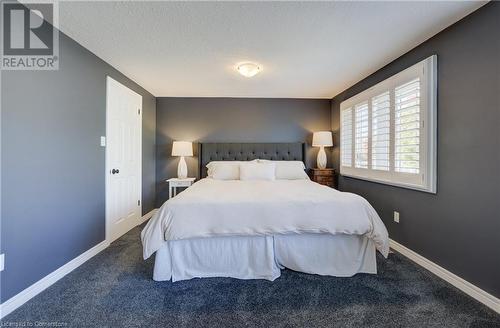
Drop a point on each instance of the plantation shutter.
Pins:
(407, 127)
(361, 135)
(346, 137)
(381, 131)
(389, 131)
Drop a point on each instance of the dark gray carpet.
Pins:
(115, 289)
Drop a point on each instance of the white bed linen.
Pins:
(324, 254)
(262, 257)
(236, 257)
(215, 208)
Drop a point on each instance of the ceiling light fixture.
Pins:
(248, 69)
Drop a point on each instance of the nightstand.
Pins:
(175, 183)
(324, 176)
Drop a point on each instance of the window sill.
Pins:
(431, 190)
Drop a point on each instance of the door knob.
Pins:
(115, 171)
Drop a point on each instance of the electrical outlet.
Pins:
(2, 258)
(396, 217)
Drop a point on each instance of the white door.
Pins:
(123, 159)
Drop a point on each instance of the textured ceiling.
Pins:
(307, 50)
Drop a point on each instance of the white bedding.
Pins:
(263, 257)
(216, 208)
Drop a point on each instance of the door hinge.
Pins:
(139, 111)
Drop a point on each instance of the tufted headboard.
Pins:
(249, 151)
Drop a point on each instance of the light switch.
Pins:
(2, 263)
(103, 141)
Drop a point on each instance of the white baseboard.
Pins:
(465, 286)
(147, 216)
(17, 300)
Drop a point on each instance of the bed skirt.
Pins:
(263, 257)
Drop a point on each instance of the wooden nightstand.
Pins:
(175, 183)
(324, 176)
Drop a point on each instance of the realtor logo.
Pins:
(30, 39)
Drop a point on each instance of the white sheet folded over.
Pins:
(212, 208)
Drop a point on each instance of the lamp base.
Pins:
(321, 160)
(182, 169)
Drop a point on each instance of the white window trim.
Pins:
(426, 180)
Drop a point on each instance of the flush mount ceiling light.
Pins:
(248, 69)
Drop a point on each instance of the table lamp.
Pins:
(322, 139)
(182, 148)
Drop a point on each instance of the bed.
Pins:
(253, 229)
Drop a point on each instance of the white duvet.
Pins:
(212, 208)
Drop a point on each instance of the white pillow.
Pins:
(257, 171)
(224, 170)
(288, 170)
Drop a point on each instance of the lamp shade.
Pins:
(322, 138)
(182, 148)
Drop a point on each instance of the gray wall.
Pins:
(148, 153)
(458, 228)
(233, 120)
(53, 166)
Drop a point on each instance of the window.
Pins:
(388, 132)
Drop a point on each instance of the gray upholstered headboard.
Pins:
(249, 151)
